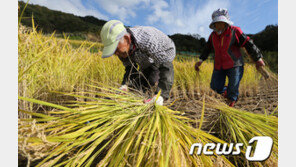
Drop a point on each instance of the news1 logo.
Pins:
(261, 152)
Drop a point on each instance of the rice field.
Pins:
(50, 64)
(71, 112)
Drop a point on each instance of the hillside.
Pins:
(267, 39)
(188, 43)
(88, 28)
(51, 20)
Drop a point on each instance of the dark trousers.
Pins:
(155, 76)
(234, 75)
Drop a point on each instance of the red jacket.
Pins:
(227, 48)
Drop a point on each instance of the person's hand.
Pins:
(197, 64)
(159, 101)
(259, 63)
(124, 88)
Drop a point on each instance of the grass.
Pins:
(238, 126)
(189, 83)
(109, 127)
(117, 129)
(48, 63)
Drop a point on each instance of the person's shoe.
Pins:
(231, 104)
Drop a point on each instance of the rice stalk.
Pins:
(116, 129)
(238, 126)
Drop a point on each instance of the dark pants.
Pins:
(234, 75)
(158, 76)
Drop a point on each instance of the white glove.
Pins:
(159, 101)
(124, 88)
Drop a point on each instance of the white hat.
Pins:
(220, 15)
(111, 33)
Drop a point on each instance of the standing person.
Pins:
(147, 54)
(226, 41)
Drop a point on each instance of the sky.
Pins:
(173, 16)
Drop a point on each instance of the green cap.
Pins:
(111, 33)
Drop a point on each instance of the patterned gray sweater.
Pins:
(151, 47)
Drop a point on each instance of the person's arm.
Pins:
(248, 44)
(126, 74)
(128, 69)
(207, 50)
(165, 82)
(205, 54)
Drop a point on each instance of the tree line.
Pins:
(49, 21)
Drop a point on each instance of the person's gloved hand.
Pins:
(197, 64)
(124, 88)
(259, 63)
(159, 101)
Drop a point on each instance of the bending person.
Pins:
(147, 54)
